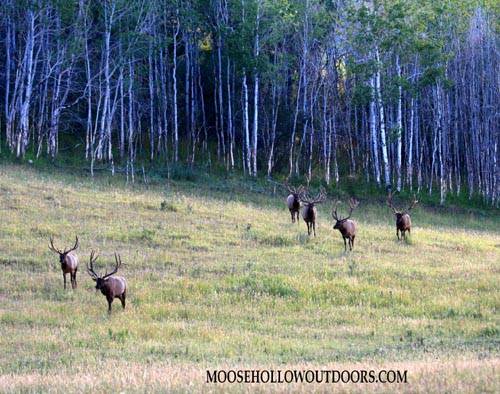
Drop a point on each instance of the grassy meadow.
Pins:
(219, 277)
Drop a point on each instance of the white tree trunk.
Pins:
(373, 131)
(256, 96)
(245, 121)
(383, 140)
(230, 130)
(174, 77)
(399, 123)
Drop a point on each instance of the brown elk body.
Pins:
(68, 260)
(346, 226)
(110, 286)
(403, 219)
(309, 212)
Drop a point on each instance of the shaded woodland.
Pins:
(401, 93)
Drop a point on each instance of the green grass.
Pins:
(219, 276)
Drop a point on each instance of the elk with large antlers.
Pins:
(293, 201)
(68, 260)
(346, 226)
(309, 212)
(111, 286)
(403, 220)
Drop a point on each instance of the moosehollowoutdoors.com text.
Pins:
(265, 376)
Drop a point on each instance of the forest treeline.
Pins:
(395, 92)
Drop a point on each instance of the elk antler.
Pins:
(334, 212)
(90, 269)
(53, 248)
(75, 246)
(413, 203)
(295, 190)
(389, 202)
(319, 198)
(117, 265)
(304, 197)
(353, 203)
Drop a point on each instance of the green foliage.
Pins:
(181, 172)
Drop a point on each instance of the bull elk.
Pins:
(403, 220)
(293, 201)
(309, 211)
(346, 226)
(68, 260)
(111, 286)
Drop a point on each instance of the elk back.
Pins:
(116, 284)
(347, 228)
(70, 262)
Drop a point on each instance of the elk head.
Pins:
(295, 191)
(111, 286)
(353, 203)
(346, 226)
(68, 260)
(63, 253)
(318, 199)
(101, 280)
(397, 212)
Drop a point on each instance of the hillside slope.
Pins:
(223, 278)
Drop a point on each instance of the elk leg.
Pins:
(298, 220)
(110, 301)
(352, 242)
(345, 245)
(122, 299)
(314, 227)
(73, 280)
(293, 217)
(397, 233)
(64, 276)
